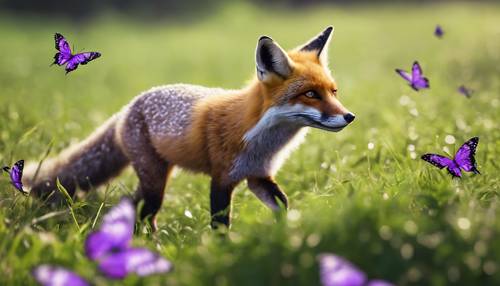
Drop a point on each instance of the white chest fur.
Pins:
(268, 145)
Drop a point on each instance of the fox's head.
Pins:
(298, 87)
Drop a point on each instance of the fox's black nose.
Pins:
(349, 117)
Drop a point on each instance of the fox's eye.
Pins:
(312, 94)
(334, 92)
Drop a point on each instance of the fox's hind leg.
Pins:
(153, 174)
(149, 166)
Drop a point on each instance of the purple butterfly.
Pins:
(416, 80)
(141, 261)
(64, 56)
(464, 159)
(16, 175)
(465, 91)
(336, 271)
(110, 246)
(438, 32)
(48, 275)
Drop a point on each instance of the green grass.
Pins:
(389, 212)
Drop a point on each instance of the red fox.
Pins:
(230, 135)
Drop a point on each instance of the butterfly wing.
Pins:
(441, 162)
(406, 76)
(418, 80)
(64, 54)
(82, 58)
(16, 176)
(115, 232)
(139, 261)
(420, 83)
(336, 271)
(465, 91)
(438, 32)
(48, 275)
(465, 155)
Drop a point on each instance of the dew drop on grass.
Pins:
(449, 139)
(490, 267)
(462, 125)
(414, 112)
(188, 214)
(473, 261)
(412, 133)
(293, 215)
(406, 251)
(413, 155)
(47, 237)
(463, 223)
(446, 149)
(480, 248)
(287, 270)
(411, 147)
(295, 241)
(371, 145)
(385, 232)
(313, 239)
(405, 100)
(411, 227)
(414, 274)
(333, 169)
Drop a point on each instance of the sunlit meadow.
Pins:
(362, 193)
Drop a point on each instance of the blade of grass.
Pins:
(69, 201)
(47, 152)
(48, 216)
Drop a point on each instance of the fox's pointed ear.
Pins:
(271, 60)
(319, 44)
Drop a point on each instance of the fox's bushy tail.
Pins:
(85, 165)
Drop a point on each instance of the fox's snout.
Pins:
(349, 117)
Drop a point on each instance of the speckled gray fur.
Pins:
(167, 109)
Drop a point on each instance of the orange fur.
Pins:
(214, 138)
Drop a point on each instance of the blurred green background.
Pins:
(362, 193)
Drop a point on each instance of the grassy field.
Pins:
(362, 193)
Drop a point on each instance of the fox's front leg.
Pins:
(220, 203)
(268, 192)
